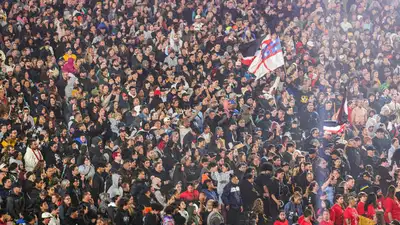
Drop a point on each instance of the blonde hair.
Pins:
(258, 206)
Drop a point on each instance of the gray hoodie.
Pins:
(115, 189)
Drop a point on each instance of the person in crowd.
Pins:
(232, 200)
(325, 220)
(391, 205)
(350, 213)
(215, 216)
(294, 208)
(191, 194)
(281, 219)
(337, 210)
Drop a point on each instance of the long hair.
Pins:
(371, 200)
(310, 188)
(258, 206)
(391, 192)
(178, 175)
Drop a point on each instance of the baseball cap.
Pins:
(46, 215)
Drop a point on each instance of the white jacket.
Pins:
(31, 160)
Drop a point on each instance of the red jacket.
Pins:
(190, 196)
(326, 222)
(337, 214)
(352, 215)
(360, 208)
(277, 222)
(302, 221)
(391, 206)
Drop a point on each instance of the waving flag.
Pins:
(340, 123)
(333, 127)
(344, 110)
(269, 58)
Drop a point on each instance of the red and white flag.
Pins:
(267, 59)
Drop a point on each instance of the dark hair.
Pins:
(278, 171)
(4, 180)
(169, 209)
(122, 202)
(371, 199)
(337, 197)
(362, 194)
(307, 212)
(289, 145)
(215, 204)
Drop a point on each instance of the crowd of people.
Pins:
(141, 112)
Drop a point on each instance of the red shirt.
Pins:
(190, 196)
(371, 212)
(302, 221)
(391, 206)
(360, 208)
(337, 214)
(326, 222)
(277, 222)
(352, 215)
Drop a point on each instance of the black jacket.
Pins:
(98, 186)
(249, 194)
(122, 217)
(15, 205)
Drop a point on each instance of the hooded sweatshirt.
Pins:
(115, 189)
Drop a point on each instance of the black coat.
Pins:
(152, 219)
(98, 186)
(15, 205)
(122, 217)
(249, 194)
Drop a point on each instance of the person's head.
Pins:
(297, 198)
(44, 206)
(169, 210)
(158, 167)
(6, 181)
(362, 196)
(46, 217)
(352, 201)
(391, 192)
(123, 203)
(307, 214)
(339, 199)
(182, 205)
(384, 162)
(326, 215)
(17, 188)
(141, 174)
(279, 174)
(87, 196)
(371, 200)
(209, 184)
(235, 179)
(282, 215)
(215, 205)
(349, 182)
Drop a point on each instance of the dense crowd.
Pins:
(141, 112)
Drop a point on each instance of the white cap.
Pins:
(46, 215)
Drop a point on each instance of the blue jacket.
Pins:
(231, 196)
(293, 212)
(210, 194)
